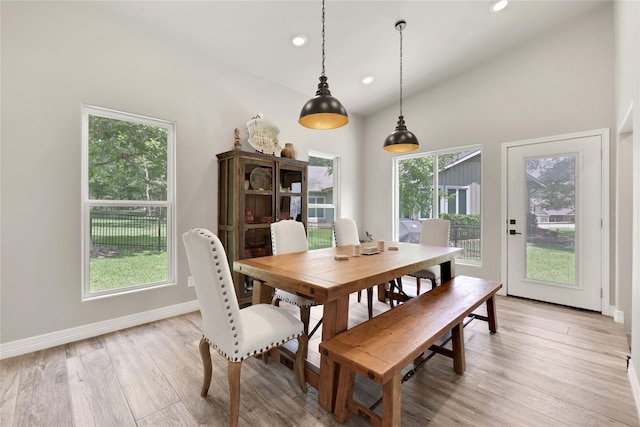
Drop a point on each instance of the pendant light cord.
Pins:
(323, 38)
(401, 70)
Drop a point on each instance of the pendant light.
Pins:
(323, 111)
(401, 140)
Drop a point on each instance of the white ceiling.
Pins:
(442, 38)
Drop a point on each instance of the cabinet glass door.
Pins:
(290, 195)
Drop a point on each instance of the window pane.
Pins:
(457, 200)
(127, 160)
(462, 201)
(322, 203)
(460, 174)
(550, 232)
(416, 188)
(128, 246)
(451, 201)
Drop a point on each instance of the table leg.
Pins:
(261, 292)
(491, 314)
(335, 317)
(447, 271)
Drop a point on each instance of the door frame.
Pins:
(603, 133)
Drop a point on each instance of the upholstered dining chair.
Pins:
(235, 333)
(434, 232)
(345, 232)
(289, 236)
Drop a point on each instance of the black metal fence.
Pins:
(129, 230)
(466, 236)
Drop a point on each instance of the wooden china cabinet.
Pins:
(255, 190)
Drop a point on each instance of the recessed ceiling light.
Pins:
(499, 5)
(368, 80)
(298, 40)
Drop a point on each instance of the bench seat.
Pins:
(380, 348)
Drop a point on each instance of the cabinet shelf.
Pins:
(240, 207)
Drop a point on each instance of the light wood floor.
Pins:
(546, 366)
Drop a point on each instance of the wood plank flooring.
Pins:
(546, 366)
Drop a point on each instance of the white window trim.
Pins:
(169, 204)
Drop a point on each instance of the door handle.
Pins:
(512, 232)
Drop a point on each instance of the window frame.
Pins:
(437, 196)
(87, 203)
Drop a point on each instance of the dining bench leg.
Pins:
(391, 404)
(346, 383)
(457, 344)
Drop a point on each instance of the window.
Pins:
(457, 177)
(317, 213)
(322, 191)
(455, 201)
(128, 202)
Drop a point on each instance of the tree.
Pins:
(556, 179)
(127, 160)
(320, 161)
(416, 184)
(415, 187)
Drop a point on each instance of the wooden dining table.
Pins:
(318, 275)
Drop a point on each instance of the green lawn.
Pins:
(553, 261)
(127, 269)
(320, 238)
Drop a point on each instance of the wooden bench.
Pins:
(380, 348)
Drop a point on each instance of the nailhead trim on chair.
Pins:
(235, 358)
(255, 352)
(287, 300)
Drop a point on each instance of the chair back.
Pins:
(435, 232)
(288, 236)
(221, 321)
(345, 232)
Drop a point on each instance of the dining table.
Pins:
(329, 275)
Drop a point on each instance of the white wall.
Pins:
(627, 93)
(559, 83)
(57, 56)
(626, 78)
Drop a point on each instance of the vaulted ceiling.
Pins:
(442, 38)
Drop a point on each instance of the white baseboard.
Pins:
(635, 386)
(40, 342)
(618, 315)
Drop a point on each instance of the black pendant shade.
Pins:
(401, 139)
(323, 111)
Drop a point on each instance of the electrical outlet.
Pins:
(190, 281)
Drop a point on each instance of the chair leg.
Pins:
(417, 286)
(305, 314)
(370, 301)
(206, 363)
(234, 390)
(433, 283)
(359, 296)
(301, 355)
